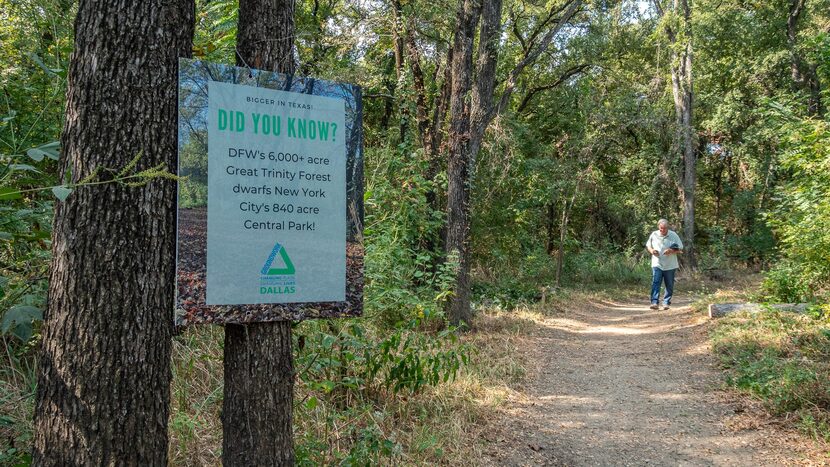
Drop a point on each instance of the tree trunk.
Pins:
(567, 206)
(469, 121)
(683, 93)
(458, 170)
(398, 42)
(259, 394)
(718, 175)
(259, 368)
(551, 220)
(563, 232)
(103, 388)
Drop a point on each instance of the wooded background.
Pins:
(510, 145)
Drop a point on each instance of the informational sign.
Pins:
(270, 200)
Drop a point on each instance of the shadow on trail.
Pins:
(620, 384)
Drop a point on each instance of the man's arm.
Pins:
(651, 251)
(679, 249)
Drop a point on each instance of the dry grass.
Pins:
(17, 390)
(196, 397)
(439, 425)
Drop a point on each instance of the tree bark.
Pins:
(398, 42)
(259, 367)
(683, 93)
(104, 375)
(469, 121)
(458, 170)
(551, 220)
(259, 394)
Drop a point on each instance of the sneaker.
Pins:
(654, 306)
(665, 307)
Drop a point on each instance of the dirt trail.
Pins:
(620, 384)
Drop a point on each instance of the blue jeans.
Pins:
(658, 276)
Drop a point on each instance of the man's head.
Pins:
(663, 226)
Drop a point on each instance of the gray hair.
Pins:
(662, 222)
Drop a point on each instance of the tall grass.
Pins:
(782, 358)
(17, 391)
(437, 425)
(594, 266)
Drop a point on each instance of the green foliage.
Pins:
(585, 149)
(348, 360)
(193, 169)
(511, 282)
(35, 42)
(348, 370)
(592, 266)
(403, 278)
(19, 318)
(788, 282)
(801, 217)
(781, 357)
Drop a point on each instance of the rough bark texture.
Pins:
(459, 169)
(469, 119)
(259, 367)
(481, 113)
(683, 92)
(104, 374)
(265, 35)
(398, 43)
(421, 110)
(684, 142)
(259, 393)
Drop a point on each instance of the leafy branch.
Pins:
(126, 177)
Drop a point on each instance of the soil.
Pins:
(191, 270)
(620, 384)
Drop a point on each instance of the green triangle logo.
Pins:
(267, 270)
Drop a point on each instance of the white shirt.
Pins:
(662, 243)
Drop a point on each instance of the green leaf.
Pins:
(311, 403)
(36, 154)
(35, 58)
(50, 150)
(328, 341)
(9, 193)
(19, 319)
(23, 167)
(20, 314)
(61, 192)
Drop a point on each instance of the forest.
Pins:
(517, 154)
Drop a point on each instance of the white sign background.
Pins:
(236, 254)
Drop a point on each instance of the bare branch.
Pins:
(564, 77)
(530, 58)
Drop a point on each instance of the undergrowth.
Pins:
(783, 358)
(509, 285)
(353, 410)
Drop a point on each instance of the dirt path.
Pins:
(619, 384)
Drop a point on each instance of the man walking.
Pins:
(664, 245)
